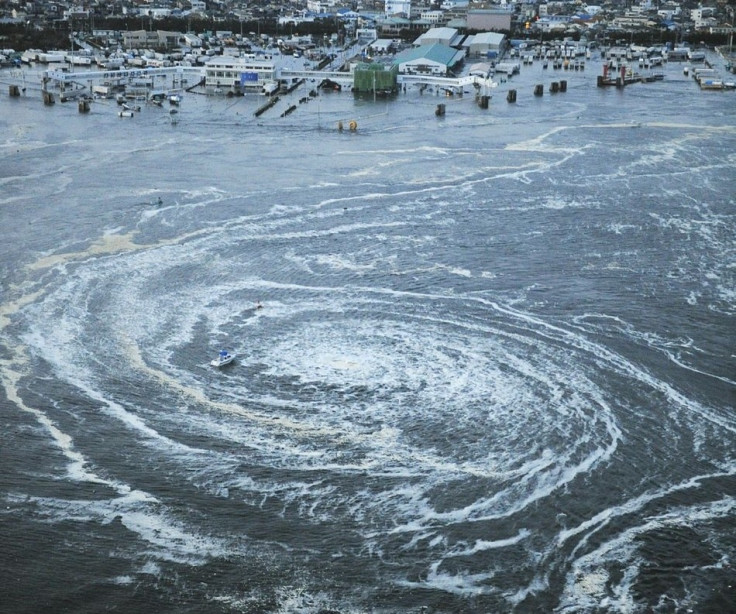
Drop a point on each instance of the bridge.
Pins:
(72, 84)
(455, 83)
(343, 78)
(346, 78)
(62, 76)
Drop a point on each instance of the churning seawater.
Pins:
(493, 370)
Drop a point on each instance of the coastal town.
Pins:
(233, 48)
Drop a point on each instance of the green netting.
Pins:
(375, 77)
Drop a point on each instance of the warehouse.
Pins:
(438, 60)
(486, 44)
(484, 20)
(444, 36)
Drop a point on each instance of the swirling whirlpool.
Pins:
(437, 434)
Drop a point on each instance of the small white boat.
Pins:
(223, 358)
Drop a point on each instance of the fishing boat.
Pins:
(223, 358)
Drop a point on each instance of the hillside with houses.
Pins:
(26, 24)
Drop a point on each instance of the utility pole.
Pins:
(71, 39)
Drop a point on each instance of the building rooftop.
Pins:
(442, 54)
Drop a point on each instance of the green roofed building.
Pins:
(436, 59)
(374, 77)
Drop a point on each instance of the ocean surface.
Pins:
(486, 362)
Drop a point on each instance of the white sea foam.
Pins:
(589, 584)
(482, 545)
(77, 467)
(122, 580)
(356, 356)
(161, 535)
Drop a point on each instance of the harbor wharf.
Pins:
(62, 77)
(69, 84)
(297, 86)
(74, 84)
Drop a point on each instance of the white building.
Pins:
(156, 12)
(191, 40)
(320, 6)
(198, 6)
(702, 16)
(448, 5)
(397, 7)
(366, 35)
(432, 16)
(444, 36)
(239, 74)
(383, 45)
(485, 43)
(147, 39)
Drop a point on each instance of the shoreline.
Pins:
(534, 85)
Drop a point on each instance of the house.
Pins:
(553, 23)
(393, 26)
(366, 35)
(198, 6)
(383, 46)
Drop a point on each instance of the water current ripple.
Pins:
(347, 385)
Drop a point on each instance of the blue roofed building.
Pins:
(437, 59)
